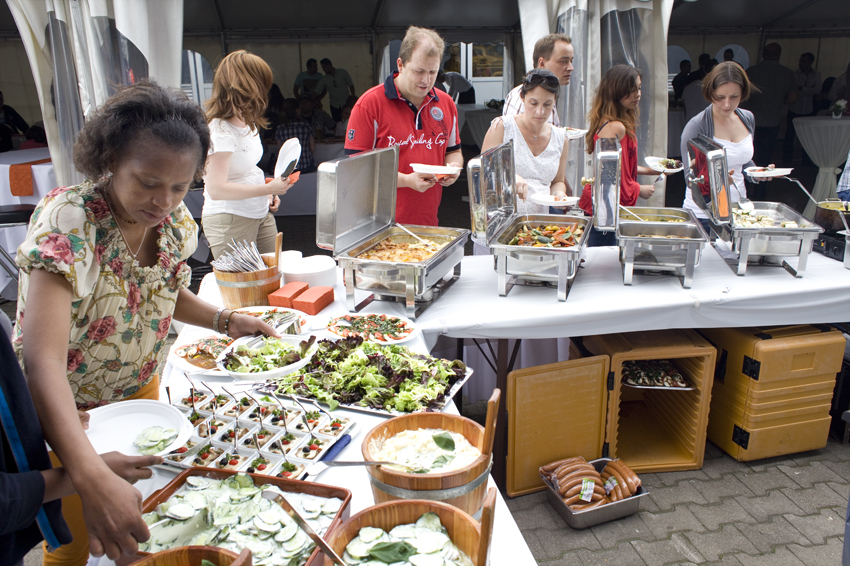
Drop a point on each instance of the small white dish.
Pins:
(654, 164)
(114, 427)
(549, 200)
(574, 133)
(434, 169)
(289, 154)
(761, 173)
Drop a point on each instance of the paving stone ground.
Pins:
(775, 512)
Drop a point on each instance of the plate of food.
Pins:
(664, 164)
(766, 172)
(380, 328)
(138, 426)
(199, 355)
(439, 171)
(654, 374)
(261, 358)
(273, 315)
(551, 200)
(574, 133)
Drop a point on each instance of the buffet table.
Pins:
(827, 141)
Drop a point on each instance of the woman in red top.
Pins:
(614, 114)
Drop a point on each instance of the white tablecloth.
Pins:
(827, 141)
(43, 181)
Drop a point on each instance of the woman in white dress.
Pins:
(540, 149)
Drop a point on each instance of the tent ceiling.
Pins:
(787, 15)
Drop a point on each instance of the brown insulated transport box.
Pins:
(578, 408)
(772, 389)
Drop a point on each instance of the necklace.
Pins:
(120, 231)
(527, 129)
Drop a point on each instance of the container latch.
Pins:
(751, 367)
(740, 437)
(610, 381)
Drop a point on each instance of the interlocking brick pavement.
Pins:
(783, 511)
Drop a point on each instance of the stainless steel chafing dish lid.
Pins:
(492, 192)
(355, 198)
(708, 170)
(606, 184)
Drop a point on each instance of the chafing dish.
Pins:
(606, 185)
(492, 199)
(708, 180)
(647, 244)
(356, 211)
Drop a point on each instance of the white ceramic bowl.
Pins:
(264, 375)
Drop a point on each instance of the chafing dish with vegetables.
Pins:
(356, 219)
(767, 234)
(530, 249)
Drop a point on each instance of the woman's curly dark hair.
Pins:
(145, 106)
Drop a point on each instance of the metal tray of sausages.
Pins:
(356, 211)
(597, 515)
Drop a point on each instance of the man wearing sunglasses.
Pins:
(554, 53)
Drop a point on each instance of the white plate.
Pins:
(752, 172)
(549, 200)
(574, 133)
(289, 152)
(304, 319)
(653, 163)
(114, 427)
(182, 364)
(434, 169)
(413, 333)
(264, 375)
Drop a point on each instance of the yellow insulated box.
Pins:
(575, 408)
(772, 389)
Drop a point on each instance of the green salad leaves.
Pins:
(364, 374)
(272, 354)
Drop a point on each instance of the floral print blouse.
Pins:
(121, 312)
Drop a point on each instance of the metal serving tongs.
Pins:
(275, 497)
(423, 240)
(284, 321)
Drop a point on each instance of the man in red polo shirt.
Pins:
(407, 112)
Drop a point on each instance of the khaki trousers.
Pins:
(221, 228)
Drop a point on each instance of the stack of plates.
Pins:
(316, 271)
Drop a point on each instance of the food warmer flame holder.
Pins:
(749, 245)
(492, 200)
(356, 211)
(639, 250)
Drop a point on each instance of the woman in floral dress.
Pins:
(103, 271)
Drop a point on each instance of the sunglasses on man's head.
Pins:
(536, 79)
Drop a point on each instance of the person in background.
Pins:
(614, 114)
(843, 188)
(36, 137)
(238, 203)
(704, 62)
(342, 126)
(809, 83)
(6, 138)
(554, 53)
(728, 55)
(9, 117)
(725, 88)
(309, 82)
(294, 126)
(540, 150)
(680, 81)
(406, 111)
(839, 89)
(319, 120)
(338, 85)
(273, 112)
(776, 86)
(102, 273)
(460, 89)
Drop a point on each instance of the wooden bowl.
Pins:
(192, 556)
(480, 437)
(470, 536)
